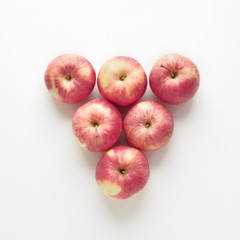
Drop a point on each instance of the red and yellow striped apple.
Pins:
(122, 80)
(97, 125)
(148, 125)
(174, 79)
(70, 78)
(122, 171)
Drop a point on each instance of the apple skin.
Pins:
(179, 87)
(70, 78)
(97, 125)
(122, 171)
(122, 80)
(148, 125)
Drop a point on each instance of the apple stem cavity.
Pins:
(173, 75)
(147, 125)
(122, 78)
(68, 76)
(123, 171)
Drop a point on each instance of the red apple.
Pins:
(122, 80)
(122, 171)
(70, 78)
(148, 125)
(97, 125)
(174, 79)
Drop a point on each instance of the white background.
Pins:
(47, 182)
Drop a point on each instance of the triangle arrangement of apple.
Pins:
(122, 171)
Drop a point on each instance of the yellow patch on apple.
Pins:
(85, 71)
(109, 188)
(105, 110)
(110, 153)
(128, 156)
(54, 92)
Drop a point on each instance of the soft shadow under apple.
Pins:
(67, 110)
(180, 111)
(124, 209)
(157, 157)
(91, 158)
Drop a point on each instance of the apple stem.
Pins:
(96, 133)
(172, 74)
